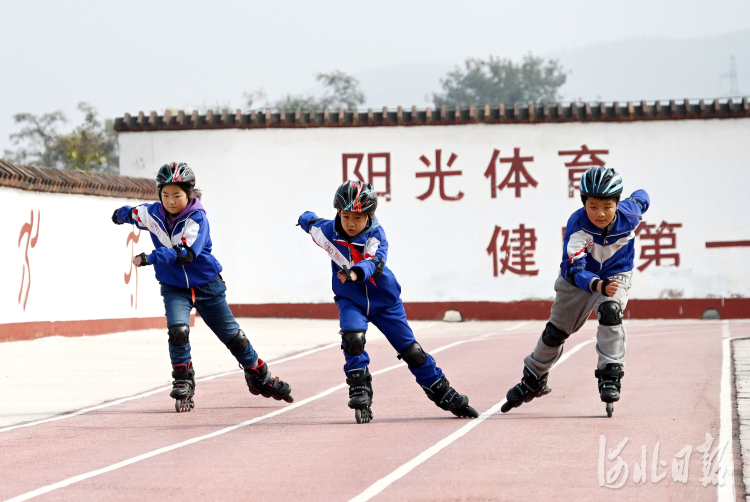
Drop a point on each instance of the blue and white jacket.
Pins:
(188, 231)
(590, 252)
(376, 287)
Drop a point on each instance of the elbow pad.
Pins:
(186, 258)
(379, 266)
(573, 270)
(640, 203)
(312, 222)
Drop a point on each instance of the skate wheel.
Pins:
(358, 416)
(289, 399)
(253, 391)
(471, 412)
(506, 407)
(610, 409)
(278, 398)
(177, 406)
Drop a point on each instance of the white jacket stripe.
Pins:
(321, 240)
(578, 243)
(371, 247)
(152, 225)
(189, 233)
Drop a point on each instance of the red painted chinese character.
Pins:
(440, 174)
(517, 171)
(663, 238)
(133, 238)
(576, 168)
(26, 230)
(371, 172)
(519, 250)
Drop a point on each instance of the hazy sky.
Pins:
(148, 55)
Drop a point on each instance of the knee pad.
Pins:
(554, 336)
(414, 356)
(353, 342)
(238, 343)
(609, 314)
(179, 335)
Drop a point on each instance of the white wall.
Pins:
(257, 182)
(78, 263)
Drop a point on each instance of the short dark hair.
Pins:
(584, 198)
(185, 187)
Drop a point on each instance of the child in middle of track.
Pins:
(367, 291)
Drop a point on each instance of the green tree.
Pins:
(91, 146)
(38, 140)
(341, 91)
(499, 80)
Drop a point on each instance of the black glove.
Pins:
(144, 260)
(114, 218)
(348, 273)
(605, 283)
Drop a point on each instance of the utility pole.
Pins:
(732, 76)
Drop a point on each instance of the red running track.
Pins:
(314, 450)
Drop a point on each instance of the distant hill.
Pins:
(656, 68)
(627, 70)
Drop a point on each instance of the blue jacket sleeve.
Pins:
(195, 236)
(309, 219)
(162, 256)
(124, 215)
(376, 254)
(634, 206)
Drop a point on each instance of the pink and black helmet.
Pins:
(356, 197)
(178, 173)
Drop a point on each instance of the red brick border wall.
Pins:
(728, 308)
(31, 330)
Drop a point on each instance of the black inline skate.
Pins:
(609, 385)
(530, 387)
(183, 387)
(260, 382)
(360, 394)
(446, 397)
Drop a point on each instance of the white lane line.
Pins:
(517, 326)
(157, 391)
(406, 468)
(133, 460)
(726, 489)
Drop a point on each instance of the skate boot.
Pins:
(260, 382)
(446, 397)
(530, 387)
(360, 394)
(609, 384)
(183, 387)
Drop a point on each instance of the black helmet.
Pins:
(601, 182)
(178, 173)
(356, 197)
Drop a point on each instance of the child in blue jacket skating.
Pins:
(190, 277)
(367, 291)
(596, 274)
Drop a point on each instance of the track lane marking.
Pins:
(156, 391)
(406, 468)
(82, 477)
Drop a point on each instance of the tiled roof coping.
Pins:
(42, 179)
(519, 113)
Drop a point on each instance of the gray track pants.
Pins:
(570, 311)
